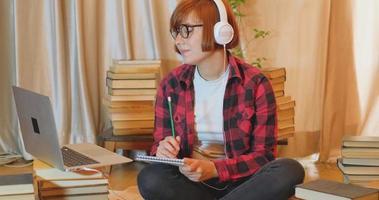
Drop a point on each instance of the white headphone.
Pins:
(223, 31)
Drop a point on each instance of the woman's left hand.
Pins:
(198, 170)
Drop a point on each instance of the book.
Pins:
(135, 66)
(360, 178)
(137, 131)
(93, 189)
(361, 161)
(357, 169)
(274, 72)
(133, 124)
(288, 130)
(149, 109)
(360, 141)
(283, 99)
(150, 62)
(128, 106)
(281, 79)
(285, 104)
(278, 93)
(360, 152)
(43, 185)
(53, 183)
(16, 184)
(101, 196)
(132, 98)
(131, 116)
(331, 190)
(282, 124)
(131, 84)
(56, 174)
(117, 76)
(132, 92)
(170, 161)
(278, 87)
(286, 114)
(30, 196)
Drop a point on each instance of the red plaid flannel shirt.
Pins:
(250, 124)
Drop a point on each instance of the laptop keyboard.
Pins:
(72, 158)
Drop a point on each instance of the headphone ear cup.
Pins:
(223, 33)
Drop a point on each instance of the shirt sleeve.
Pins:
(161, 128)
(263, 147)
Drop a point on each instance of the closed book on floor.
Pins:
(331, 190)
(360, 141)
(16, 184)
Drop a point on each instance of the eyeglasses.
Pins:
(184, 30)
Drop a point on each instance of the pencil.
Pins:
(171, 120)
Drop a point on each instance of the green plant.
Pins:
(239, 52)
(235, 4)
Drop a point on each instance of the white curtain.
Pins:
(63, 48)
(330, 50)
(366, 51)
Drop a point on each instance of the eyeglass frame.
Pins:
(178, 30)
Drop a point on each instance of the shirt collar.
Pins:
(188, 75)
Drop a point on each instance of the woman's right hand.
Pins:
(169, 147)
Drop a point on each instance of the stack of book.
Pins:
(18, 187)
(55, 184)
(131, 88)
(360, 159)
(331, 190)
(285, 104)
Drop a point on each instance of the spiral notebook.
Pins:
(170, 161)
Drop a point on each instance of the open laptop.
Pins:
(40, 136)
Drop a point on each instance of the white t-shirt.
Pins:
(209, 120)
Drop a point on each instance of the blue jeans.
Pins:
(276, 180)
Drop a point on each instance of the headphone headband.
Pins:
(221, 9)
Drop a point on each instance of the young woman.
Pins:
(224, 115)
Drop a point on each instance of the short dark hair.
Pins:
(207, 12)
